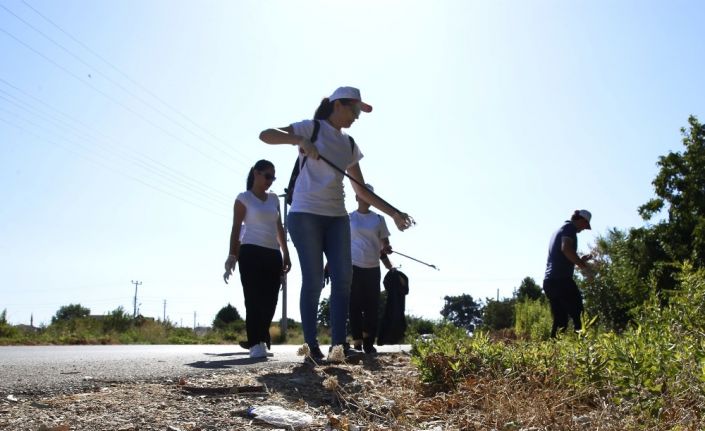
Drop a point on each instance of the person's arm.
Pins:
(384, 254)
(568, 249)
(402, 220)
(281, 239)
(239, 211)
(286, 135)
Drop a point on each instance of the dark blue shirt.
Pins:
(558, 266)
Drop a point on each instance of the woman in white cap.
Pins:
(370, 244)
(318, 221)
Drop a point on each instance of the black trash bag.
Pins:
(393, 324)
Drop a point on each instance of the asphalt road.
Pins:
(66, 369)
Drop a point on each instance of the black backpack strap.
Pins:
(314, 136)
(352, 144)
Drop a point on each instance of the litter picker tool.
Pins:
(416, 260)
(332, 165)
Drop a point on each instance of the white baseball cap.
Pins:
(350, 93)
(586, 215)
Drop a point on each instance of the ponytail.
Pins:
(324, 110)
(250, 178)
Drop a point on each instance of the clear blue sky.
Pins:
(125, 137)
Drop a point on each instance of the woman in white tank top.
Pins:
(255, 241)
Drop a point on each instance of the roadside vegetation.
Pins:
(640, 361)
(73, 324)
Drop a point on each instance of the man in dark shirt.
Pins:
(558, 284)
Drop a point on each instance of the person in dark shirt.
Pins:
(558, 284)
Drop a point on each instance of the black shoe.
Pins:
(368, 345)
(369, 349)
(349, 353)
(315, 354)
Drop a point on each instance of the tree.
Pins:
(680, 191)
(462, 311)
(225, 317)
(117, 320)
(620, 285)
(323, 316)
(70, 312)
(498, 314)
(528, 289)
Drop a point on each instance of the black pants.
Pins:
(566, 301)
(364, 303)
(260, 274)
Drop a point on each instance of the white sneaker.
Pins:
(258, 351)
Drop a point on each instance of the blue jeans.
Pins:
(314, 235)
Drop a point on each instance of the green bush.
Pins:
(416, 326)
(653, 366)
(7, 330)
(533, 319)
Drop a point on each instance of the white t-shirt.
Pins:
(319, 187)
(260, 224)
(366, 234)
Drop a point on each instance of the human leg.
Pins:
(552, 289)
(337, 250)
(356, 301)
(271, 282)
(307, 233)
(370, 306)
(574, 304)
(248, 265)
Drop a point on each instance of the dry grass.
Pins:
(381, 393)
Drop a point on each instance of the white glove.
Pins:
(309, 149)
(229, 266)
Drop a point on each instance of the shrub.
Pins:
(533, 319)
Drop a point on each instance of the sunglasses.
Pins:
(267, 176)
(356, 108)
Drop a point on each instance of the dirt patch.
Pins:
(379, 393)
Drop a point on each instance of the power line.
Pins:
(102, 136)
(112, 99)
(117, 84)
(220, 201)
(126, 76)
(90, 150)
(113, 170)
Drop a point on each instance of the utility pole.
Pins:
(134, 312)
(164, 317)
(284, 324)
(194, 321)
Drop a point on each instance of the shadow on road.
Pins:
(229, 363)
(305, 382)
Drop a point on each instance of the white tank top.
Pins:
(260, 224)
